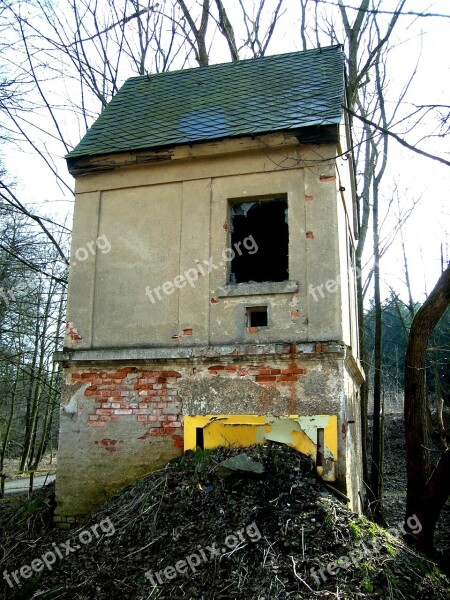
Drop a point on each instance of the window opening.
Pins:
(257, 316)
(266, 222)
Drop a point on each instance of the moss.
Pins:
(355, 530)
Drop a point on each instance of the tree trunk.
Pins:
(425, 495)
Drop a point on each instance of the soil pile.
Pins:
(195, 530)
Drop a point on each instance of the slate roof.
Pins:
(273, 93)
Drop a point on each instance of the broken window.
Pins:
(264, 222)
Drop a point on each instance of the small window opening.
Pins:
(260, 240)
(320, 446)
(199, 438)
(257, 316)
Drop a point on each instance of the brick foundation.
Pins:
(119, 422)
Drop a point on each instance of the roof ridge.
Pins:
(239, 62)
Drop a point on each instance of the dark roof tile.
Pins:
(273, 93)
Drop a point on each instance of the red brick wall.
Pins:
(259, 373)
(150, 396)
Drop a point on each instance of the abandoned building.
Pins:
(212, 282)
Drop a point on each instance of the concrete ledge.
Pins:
(187, 353)
(354, 366)
(258, 289)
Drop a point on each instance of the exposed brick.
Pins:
(264, 378)
(253, 329)
(142, 417)
(187, 331)
(96, 423)
(122, 373)
(93, 417)
(105, 418)
(156, 431)
(319, 347)
(177, 424)
(178, 443)
(151, 418)
(216, 368)
(104, 411)
(123, 411)
(309, 198)
(295, 314)
(309, 234)
(287, 378)
(328, 178)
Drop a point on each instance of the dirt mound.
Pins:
(194, 530)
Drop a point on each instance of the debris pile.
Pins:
(221, 524)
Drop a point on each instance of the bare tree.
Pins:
(427, 489)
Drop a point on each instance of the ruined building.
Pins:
(212, 282)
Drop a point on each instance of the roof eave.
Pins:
(79, 165)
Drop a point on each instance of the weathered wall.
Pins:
(163, 219)
(119, 422)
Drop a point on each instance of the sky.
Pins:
(416, 180)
